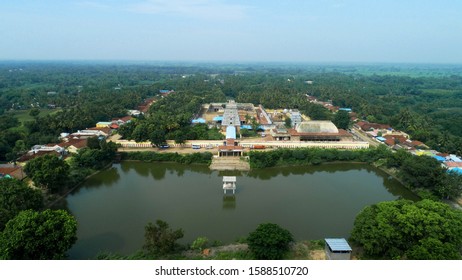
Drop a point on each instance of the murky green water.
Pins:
(113, 206)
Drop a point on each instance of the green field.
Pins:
(23, 115)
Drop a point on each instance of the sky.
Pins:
(364, 31)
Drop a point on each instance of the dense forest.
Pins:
(39, 100)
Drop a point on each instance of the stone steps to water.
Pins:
(229, 163)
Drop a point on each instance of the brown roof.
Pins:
(261, 120)
(106, 130)
(391, 139)
(30, 156)
(230, 148)
(14, 171)
(77, 143)
(126, 118)
(367, 126)
(416, 143)
(453, 164)
(146, 104)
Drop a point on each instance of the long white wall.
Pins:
(248, 144)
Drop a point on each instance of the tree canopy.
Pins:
(409, 230)
(342, 119)
(269, 242)
(16, 196)
(35, 235)
(160, 239)
(48, 172)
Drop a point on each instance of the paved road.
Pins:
(364, 137)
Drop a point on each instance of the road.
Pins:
(364, 137)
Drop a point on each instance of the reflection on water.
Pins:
(313, 202)
(229, 202)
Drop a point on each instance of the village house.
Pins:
(74, 145)
(11, 171)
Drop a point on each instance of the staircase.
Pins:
(229, 163)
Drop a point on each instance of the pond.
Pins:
(113, 206)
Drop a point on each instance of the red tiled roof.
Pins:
(367, 126)
(453, 164)
(230, 148)
(78, 143)
(14, 171)
(30, 156)
(261, 120)
(416, 143)
(126, 118)
(391, 139)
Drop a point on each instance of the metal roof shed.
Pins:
(337, 249)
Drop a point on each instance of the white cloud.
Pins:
(202, 9)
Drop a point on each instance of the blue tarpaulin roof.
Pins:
(199, 120)
(381, 139)
(438, 158)
(218, 119)
(338, 244)
(246, 126)
(456, 170)
(345, 109)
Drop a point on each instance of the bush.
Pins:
(200, 243)
(269, 242)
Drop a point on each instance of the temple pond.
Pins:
(113, 206)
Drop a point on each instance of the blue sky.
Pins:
(233, 31)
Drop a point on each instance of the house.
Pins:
(134, 112)
(47, 148)
(280, 134)
(11, 171)
(166, 92)
(31, 155)
(74, 145)
(453, 164)
(121, 121)
(367, 126)
(98, 131)
(144, 107)
(103, 124)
